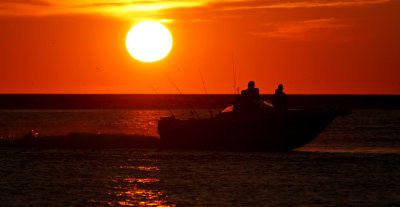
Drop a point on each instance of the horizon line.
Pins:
(202, 94)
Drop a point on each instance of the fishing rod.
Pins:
(156, 92)
(175, 86)
(192, 110)
(205, 91)
(203, 81)
(234, 75)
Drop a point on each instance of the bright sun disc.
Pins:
(149, 41)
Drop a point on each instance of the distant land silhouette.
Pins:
(169, 101)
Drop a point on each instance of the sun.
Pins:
(149, 41)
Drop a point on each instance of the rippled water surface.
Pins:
(16, 123)
(135, 177)
(354, 162)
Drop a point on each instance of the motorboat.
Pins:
(266, 129)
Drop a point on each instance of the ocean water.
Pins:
(17, 123)
(354, 162)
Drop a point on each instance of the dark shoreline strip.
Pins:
(174, 101)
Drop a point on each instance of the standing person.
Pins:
(280, 100)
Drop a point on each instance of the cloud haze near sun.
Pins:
(125, 7)
(138, 10)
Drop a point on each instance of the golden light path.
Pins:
(149, 41)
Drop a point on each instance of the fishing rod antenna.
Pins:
(205, 90)
(203, 82)
(234, 75)
(156, 92)
(192, 110)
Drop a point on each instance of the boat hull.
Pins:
(268, 131)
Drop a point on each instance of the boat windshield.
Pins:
(228, 109)
(266, 105)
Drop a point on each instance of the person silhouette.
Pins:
(280, 100)
(251, 93)
(248, 101)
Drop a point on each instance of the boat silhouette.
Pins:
(263, 130)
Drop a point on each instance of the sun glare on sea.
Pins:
(149, 41)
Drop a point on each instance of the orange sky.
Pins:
(312, 47)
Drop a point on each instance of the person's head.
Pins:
(280, 87)
(251, 84)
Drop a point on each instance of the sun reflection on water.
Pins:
(138, 192)
(141, 180)
(137, 185)
(143, 168)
